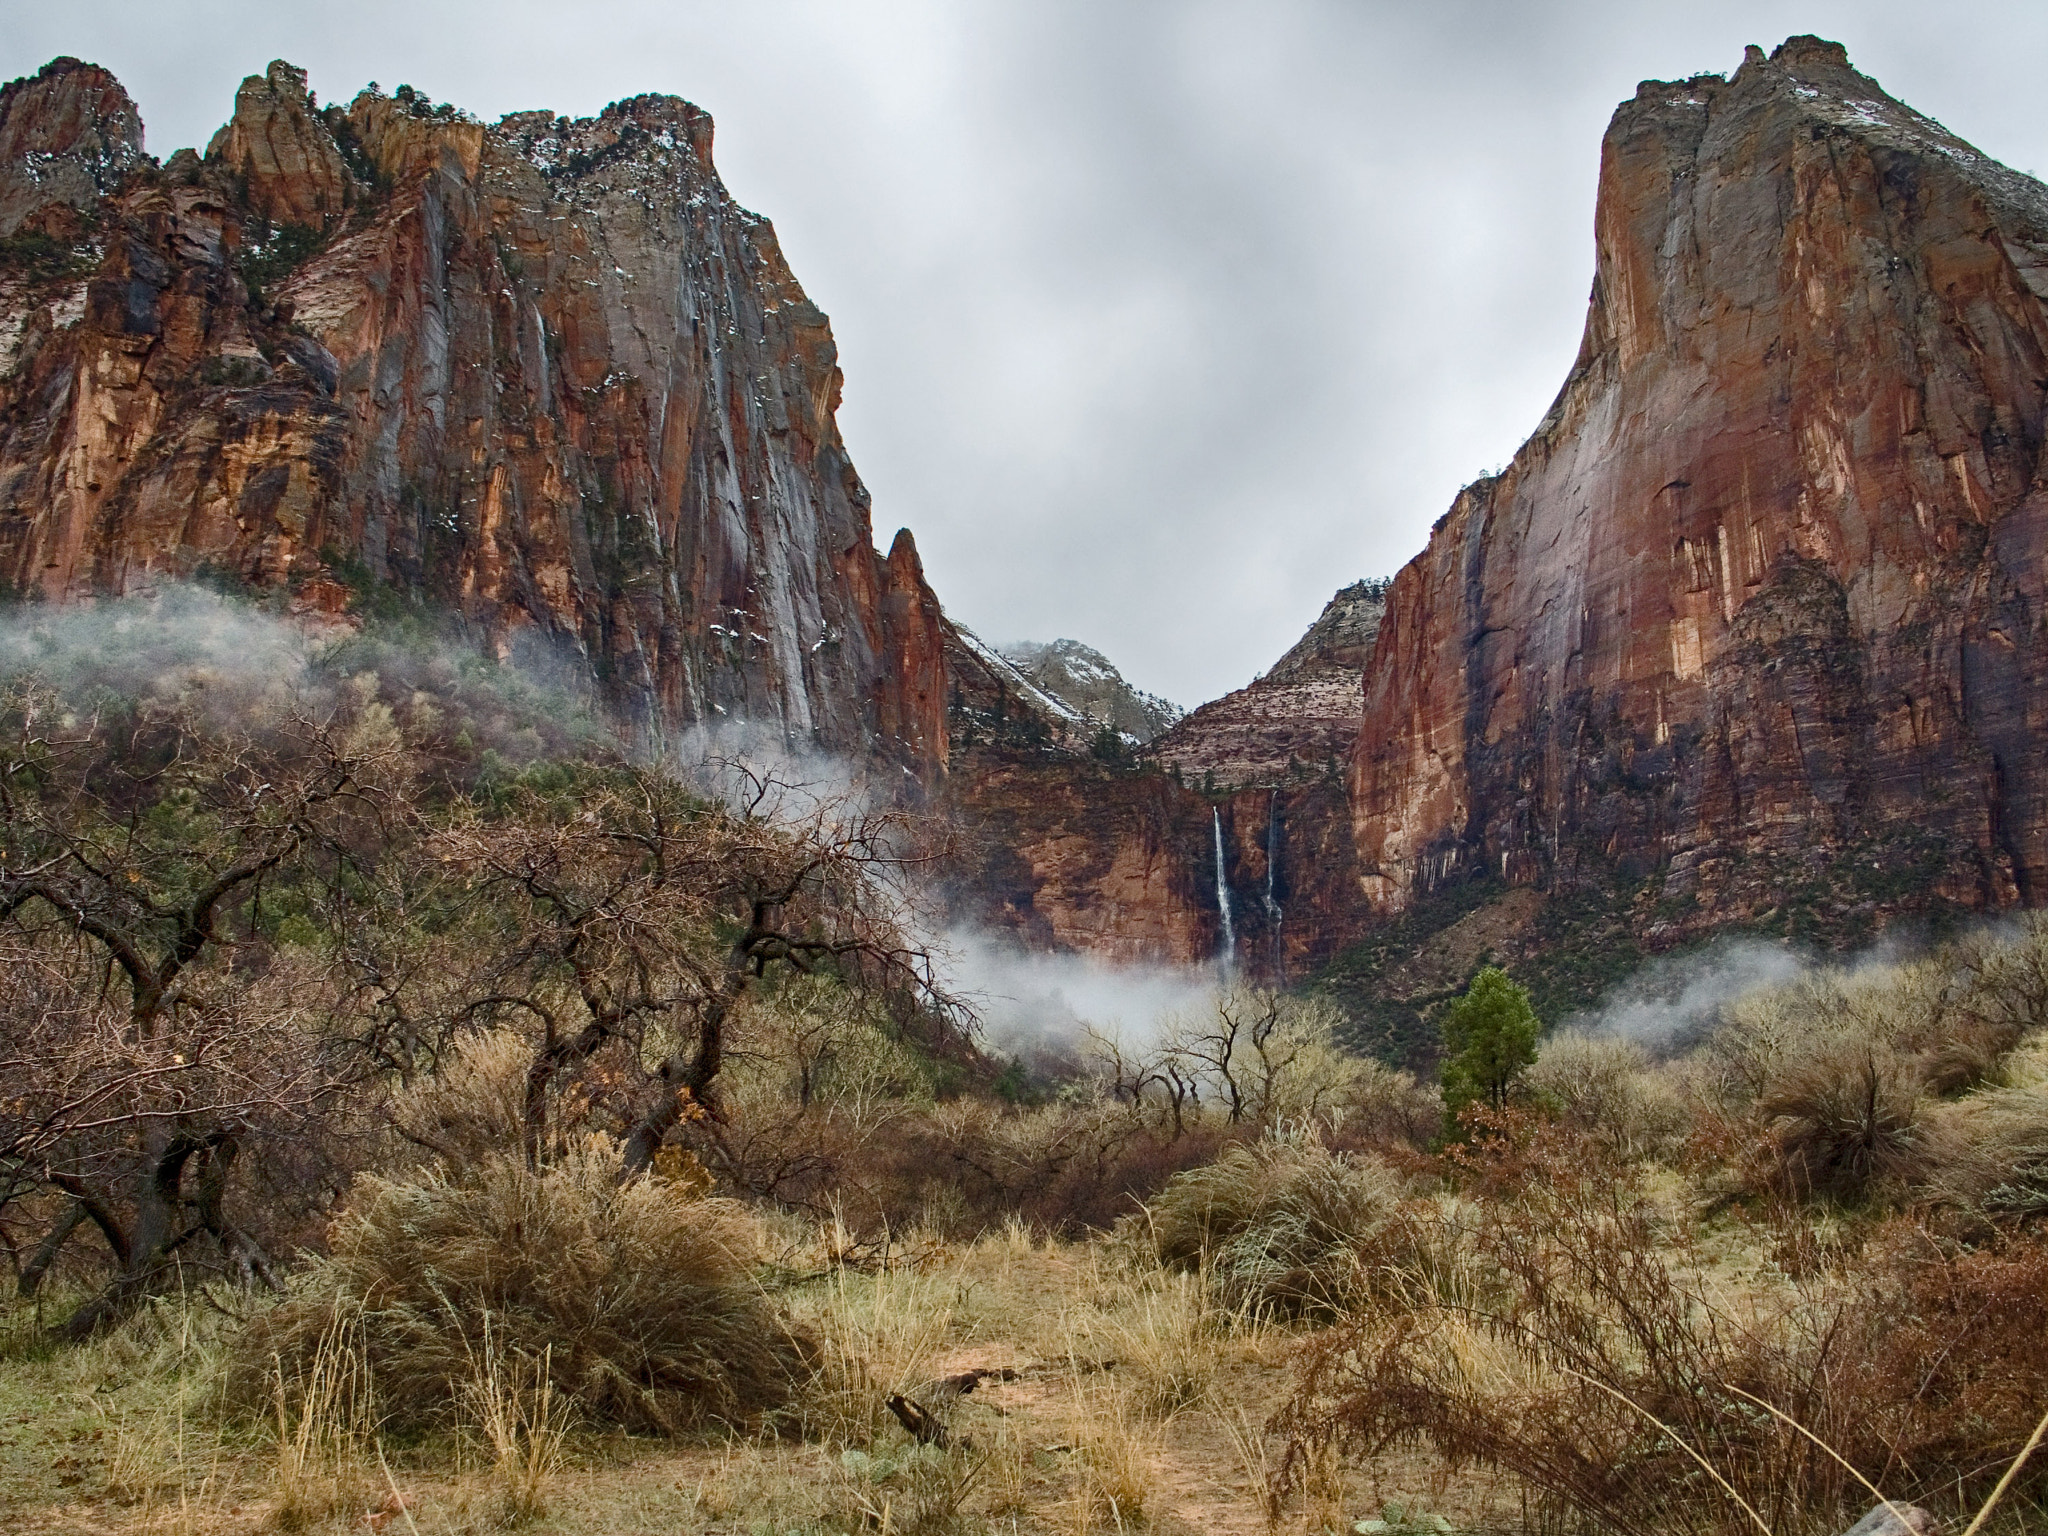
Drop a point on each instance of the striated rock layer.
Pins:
(1301, 717)
(547, 372)
(1761, 603)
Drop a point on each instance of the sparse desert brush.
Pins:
(1815, 1089)
(1068, 1168)
(1385, 1107)
(636, 1296)
(1278, 1228)
(1608, 1088)
(1628, 1387)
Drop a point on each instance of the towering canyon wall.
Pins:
(1134, 855)
(546, 372)
(1760, 604)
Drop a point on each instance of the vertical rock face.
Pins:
(546, 372)
(1762, 600)
(1062, 852)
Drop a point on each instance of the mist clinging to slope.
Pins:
(1031, 1002)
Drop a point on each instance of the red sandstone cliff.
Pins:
(1762, 600)
(547, 372)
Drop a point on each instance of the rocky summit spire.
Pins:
(290, 167)
(68, 135)
(1760, 604)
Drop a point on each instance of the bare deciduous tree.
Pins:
(145, 1041)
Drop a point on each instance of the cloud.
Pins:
(183, 644)
(1675, 999)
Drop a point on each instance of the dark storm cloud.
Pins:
(1160, 320)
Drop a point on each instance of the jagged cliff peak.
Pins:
(69, 134)
(291, 167)
(547, 373)
(1296, 721)
(1342, 634)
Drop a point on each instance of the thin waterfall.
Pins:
(1229, 952)
(1273, 857)
(1274, 912)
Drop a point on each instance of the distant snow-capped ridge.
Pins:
(1086, 681)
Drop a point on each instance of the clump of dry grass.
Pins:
(876, 1335)
(1277, 1228)
(1166, 1340)
(633, 1299)
(1987, 1154)
(513, 1404)
(1114, 1446)
(1841, 1122)
(325, 1425)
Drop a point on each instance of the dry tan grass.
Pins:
(639, 1295)
(1275, 1228)
(325, 1426)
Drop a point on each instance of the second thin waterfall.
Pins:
(1274, 915)
(1228, 955)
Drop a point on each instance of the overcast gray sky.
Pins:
(1160, 320)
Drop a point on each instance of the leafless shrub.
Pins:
(152, 1028)
(1574, 1342)
(1608, 1088)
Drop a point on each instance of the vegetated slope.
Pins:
(545, 372)
(1752, 624)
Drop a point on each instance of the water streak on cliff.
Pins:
(1274, 914)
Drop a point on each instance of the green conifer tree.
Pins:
(1489, 1040)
